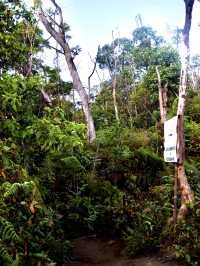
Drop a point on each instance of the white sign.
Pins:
(170, 136)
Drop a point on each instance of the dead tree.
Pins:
(187, 195)
(162, 98)
(114, 85)
(114, 81)
(58, 31)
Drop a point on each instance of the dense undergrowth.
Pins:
(54, 187)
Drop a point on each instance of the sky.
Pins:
(92, 24)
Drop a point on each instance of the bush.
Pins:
(192, 137)
(186, 237)
(192, 108)
(95, 207)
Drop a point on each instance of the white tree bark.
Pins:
(162, 98)
(186, 192)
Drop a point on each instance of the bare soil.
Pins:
(90, 251)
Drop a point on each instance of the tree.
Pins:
(186, 192)
(20, 38)
(146, 37)
(107, 58)
(58, 30)
(114, 58)
(162, 98)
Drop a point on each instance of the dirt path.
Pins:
(90, 251)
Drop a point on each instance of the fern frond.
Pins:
(7, 230)
(10, 190)
(4, 256)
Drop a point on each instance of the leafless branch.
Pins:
(93, 70)
(60, 12)
(46, 98)
(92, 60)
(54, 48)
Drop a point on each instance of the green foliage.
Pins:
(17, 28)
(123, 153)
(145, 37)
(54, 84)
(7, 231)
(4, 255)
(108, 59)
(56, 133)
(11, 190)
(103, 109)
(192, 108)
(135, 138)
(192, 136)
(95, 208)
(25, 222)
(144, 230)
(186, 236)
(40, 144)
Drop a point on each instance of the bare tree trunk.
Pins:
(27, 71)
(57, 31)
(82, 93)
(114, 83)
(162, 99)
(186, 192)
(175, 197)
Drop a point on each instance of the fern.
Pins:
(7, 231)
(12, 189)
(4, 256)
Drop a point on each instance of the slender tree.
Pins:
(186, 192)
(58, 31)
(114, 57)
(162, 98)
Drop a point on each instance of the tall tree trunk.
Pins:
(82, 93)
(113, 75)
(186, 192)
(57, 31)
(162, 99)
(29, 64)
(114, 84)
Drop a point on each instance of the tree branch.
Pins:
(60, 12)
(54, 48)
(46, 98)
(93, 70)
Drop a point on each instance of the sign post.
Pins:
(170, 143)
(170, 152)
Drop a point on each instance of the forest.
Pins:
(85, 165)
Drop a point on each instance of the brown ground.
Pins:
(90, 251)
